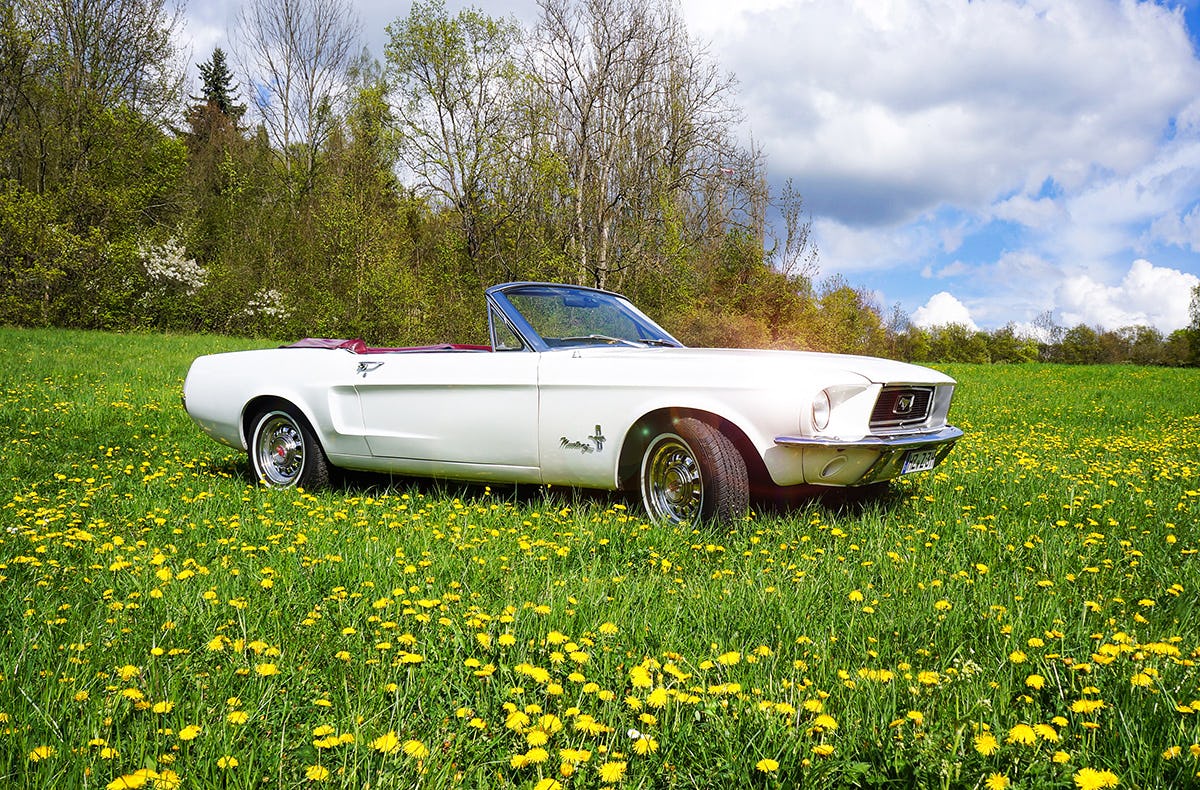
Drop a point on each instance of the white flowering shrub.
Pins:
(268, 303)
(168, 267)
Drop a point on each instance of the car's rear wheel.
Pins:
(284, 452)
(692, 474)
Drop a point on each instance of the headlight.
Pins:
(820, 410)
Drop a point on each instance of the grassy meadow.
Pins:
(1024, 616)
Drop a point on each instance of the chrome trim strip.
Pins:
(943, 436)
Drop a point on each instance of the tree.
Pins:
(850, 319)
(1081, 346)
(1194, 327)
(296, 53)
(217, 89)
(64, 64)
(641, 124)
(86, 89)
(457, 86)
(1007, 345)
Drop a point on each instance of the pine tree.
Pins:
(217, 89)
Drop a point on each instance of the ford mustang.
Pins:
(577, 387)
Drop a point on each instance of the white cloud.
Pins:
(882, 111)
(1148, 295)
(1178, 229)
(942, 309)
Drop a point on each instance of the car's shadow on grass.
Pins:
(772, 503)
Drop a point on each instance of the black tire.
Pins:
(284, 452)
(693, 474)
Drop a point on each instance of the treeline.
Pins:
(1047, 342)
(339, 194)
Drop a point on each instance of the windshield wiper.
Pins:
(654, 341)
(603, 339)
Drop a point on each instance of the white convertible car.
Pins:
(577, 388)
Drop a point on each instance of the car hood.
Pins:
(770, 363)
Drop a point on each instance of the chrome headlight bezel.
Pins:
(822, 410)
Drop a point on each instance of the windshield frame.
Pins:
(649, 334)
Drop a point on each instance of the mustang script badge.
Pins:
(593, 444)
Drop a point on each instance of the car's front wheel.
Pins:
(693, 473)
(284, 452)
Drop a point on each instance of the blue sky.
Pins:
(974, 162)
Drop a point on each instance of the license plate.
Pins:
(919, 461)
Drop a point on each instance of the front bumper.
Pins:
(868, 459)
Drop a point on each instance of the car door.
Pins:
(456, 413)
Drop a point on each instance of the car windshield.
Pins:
(570, 317)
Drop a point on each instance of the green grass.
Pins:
(434, 635)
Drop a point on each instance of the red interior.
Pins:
(358, 346)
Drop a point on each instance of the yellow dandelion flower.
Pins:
(316, 773)
(997, 782)
(1022, 734)
(266, 670)
(138, 778)
(1017, 657)
(1035, 681)
(414, 748)
(1172, 752)
(237, 717)
(42, 753)
(189, 733)
(767, 765)
(823, 749)
(227, 762)
(549, 783)
(163, 707)
(1091, 779)
(645, 745)
(612, 772)
(825, 722)
(986, 743)
(387, 743)
(1060, 757)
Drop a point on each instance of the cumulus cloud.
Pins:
(1148, 295)
(942, 309)
(882, 111)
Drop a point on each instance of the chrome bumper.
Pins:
(867, 459)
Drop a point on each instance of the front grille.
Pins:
(901, 407)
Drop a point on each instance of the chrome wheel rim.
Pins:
(672, 487)
(279, 449)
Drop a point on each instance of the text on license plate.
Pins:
(919, 461)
